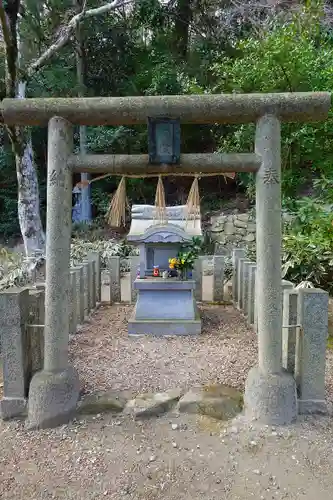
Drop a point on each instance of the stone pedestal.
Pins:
(165, 307)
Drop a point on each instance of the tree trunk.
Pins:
(182, 26)
(85, 206)
(28, 202)
(28, 190)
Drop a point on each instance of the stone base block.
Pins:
(270, 398)
(166, 327)
(52, 398)
(217, 401)
(12, 407)
(312, 406)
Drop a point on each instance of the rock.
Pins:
(152, 405)
(240, 230)
(243, 217)
(217, 401)
(251, 227)
(221, 238)
(174, 427)
(249, 237)
(240, 223)
(229, 228)
(102, 402)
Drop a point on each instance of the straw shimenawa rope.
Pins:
(116, 214)
(160, 207)
(193, 200)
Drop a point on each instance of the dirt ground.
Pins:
(172, 457)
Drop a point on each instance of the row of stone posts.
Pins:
(304, 330)
(22, 322)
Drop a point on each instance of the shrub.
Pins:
(308, 245)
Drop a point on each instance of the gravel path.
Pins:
(200, 460)
(107, 358)
(172, 457)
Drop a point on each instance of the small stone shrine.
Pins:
(165, 306)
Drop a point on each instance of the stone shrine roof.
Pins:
(147, 228)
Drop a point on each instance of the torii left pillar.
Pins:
(54, 391)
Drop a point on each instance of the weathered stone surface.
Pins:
(150, 405)
(249, 238)
(243, 217)
(240, 223)
(229, 228)
(13, 318)
(237, 254)
(53, 398)
(102, 402)
(311, 362)
(12, 407)
(225, 108)
(240, 231)
(218, 282)
(289, 333)
(251, 227)
(114, 273)
(270, 398)
(217, 401)
(233, 230)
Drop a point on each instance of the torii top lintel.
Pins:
(202, 109)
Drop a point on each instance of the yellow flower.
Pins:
(183, 261)
(171, 266)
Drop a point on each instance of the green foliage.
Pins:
(8, 192)
(186, 256)
(292, 56)
(308, 245)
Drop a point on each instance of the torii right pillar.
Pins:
(270, 392)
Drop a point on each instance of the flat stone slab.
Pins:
(152, 405)
(163, 328)
(102, 402)
(218, 401)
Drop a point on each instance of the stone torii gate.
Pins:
(270, 393)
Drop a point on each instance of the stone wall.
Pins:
(233, 230)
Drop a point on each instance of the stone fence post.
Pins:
(96, 257)
(289, 329)
(13, 319)
(79, 294)
(244, 289)
(218, 278)
(237, 254)
(241, 283)
(73, 298)
(313, 317)
(35, 331)
(93, 283)
(197, 276)
(250, 306)
(114, 279)
(134, 264)
(86, 286)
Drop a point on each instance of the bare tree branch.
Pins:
(67, 32)
(8, 27)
